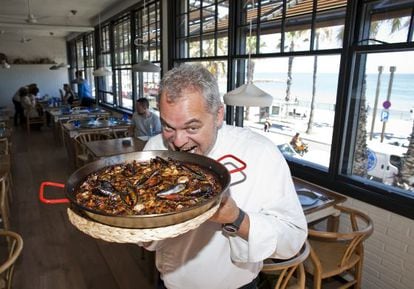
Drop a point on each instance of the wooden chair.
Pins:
(39, 120)
(285, 274)
(339, 252)
(120, 132)
(5, 175)
(4, 203)
(7, 267)
(81, 152)
(4, 146)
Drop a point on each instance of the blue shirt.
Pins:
(84, 90)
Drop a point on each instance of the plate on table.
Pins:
(307, 197)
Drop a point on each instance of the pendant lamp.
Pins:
(144, 65)
(59, 66)
(248, 94)
(5, 64)
(101, 70)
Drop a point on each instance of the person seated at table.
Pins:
(84, 90)
(67, 95)
(144, 121)
(28, 101)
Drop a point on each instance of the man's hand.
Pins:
(228, 213)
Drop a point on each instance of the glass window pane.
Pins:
(304, 96)
(381, 121)
(222, 46)
(194, 46)
(124, 88)
(271, 10)
(390, 28)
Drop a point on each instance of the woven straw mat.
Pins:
(125, 235)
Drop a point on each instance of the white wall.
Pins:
(389, 251)
(38, 47)
(49, 81)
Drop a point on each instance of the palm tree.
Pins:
(315, 70)
(405, 177)
(290, 65)
(359, 165)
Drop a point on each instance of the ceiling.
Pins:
(52, 18)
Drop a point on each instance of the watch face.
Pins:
(230, 229)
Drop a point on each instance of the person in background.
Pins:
(67, 94)
(18, 108)
(267, 125)
(84, 90)
(298, 145)
(144, 121)
(19, 115)
(28, 100)
(259, 216)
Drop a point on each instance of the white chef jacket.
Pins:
(206, 258)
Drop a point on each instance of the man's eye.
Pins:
(193, 129)
(167, 128)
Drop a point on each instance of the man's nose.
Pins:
(180, 139)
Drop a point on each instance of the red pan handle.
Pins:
(237, 159)
(51, 201)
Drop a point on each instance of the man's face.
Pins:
(141, 108)
(187, 124)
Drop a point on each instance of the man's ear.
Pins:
(220, 116)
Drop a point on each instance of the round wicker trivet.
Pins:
(125, 235)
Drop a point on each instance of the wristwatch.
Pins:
(232, 228)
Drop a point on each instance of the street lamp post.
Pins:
(392, 70)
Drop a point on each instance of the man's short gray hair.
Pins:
(193, 76)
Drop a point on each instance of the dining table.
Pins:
(110, 147)
(72, 129)
(318, 202)
(58, 115)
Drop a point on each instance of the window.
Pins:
(202, 36)
(148, 47)
(379, 134)
(122, 60)
(90, 60)
(105, 59)
(202, 28)
(296, 55)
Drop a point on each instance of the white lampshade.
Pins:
(248, 95)
(59, 66)
(5, 65)
(102, 71)
(145, 66)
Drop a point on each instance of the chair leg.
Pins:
(317, 281)
(358, 274)
(4, 210)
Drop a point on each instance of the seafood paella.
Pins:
(149, 187)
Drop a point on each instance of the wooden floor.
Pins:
(55, 253)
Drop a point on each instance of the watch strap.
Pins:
(235, 226)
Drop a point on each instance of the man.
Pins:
(84, 90)
(144, 121)
(261, 205)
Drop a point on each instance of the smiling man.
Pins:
(259, 216)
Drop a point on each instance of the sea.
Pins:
(401, 96)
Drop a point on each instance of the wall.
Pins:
(38, 47)
(49, 81)
(389, 252)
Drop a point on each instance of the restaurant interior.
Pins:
(328, 82)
